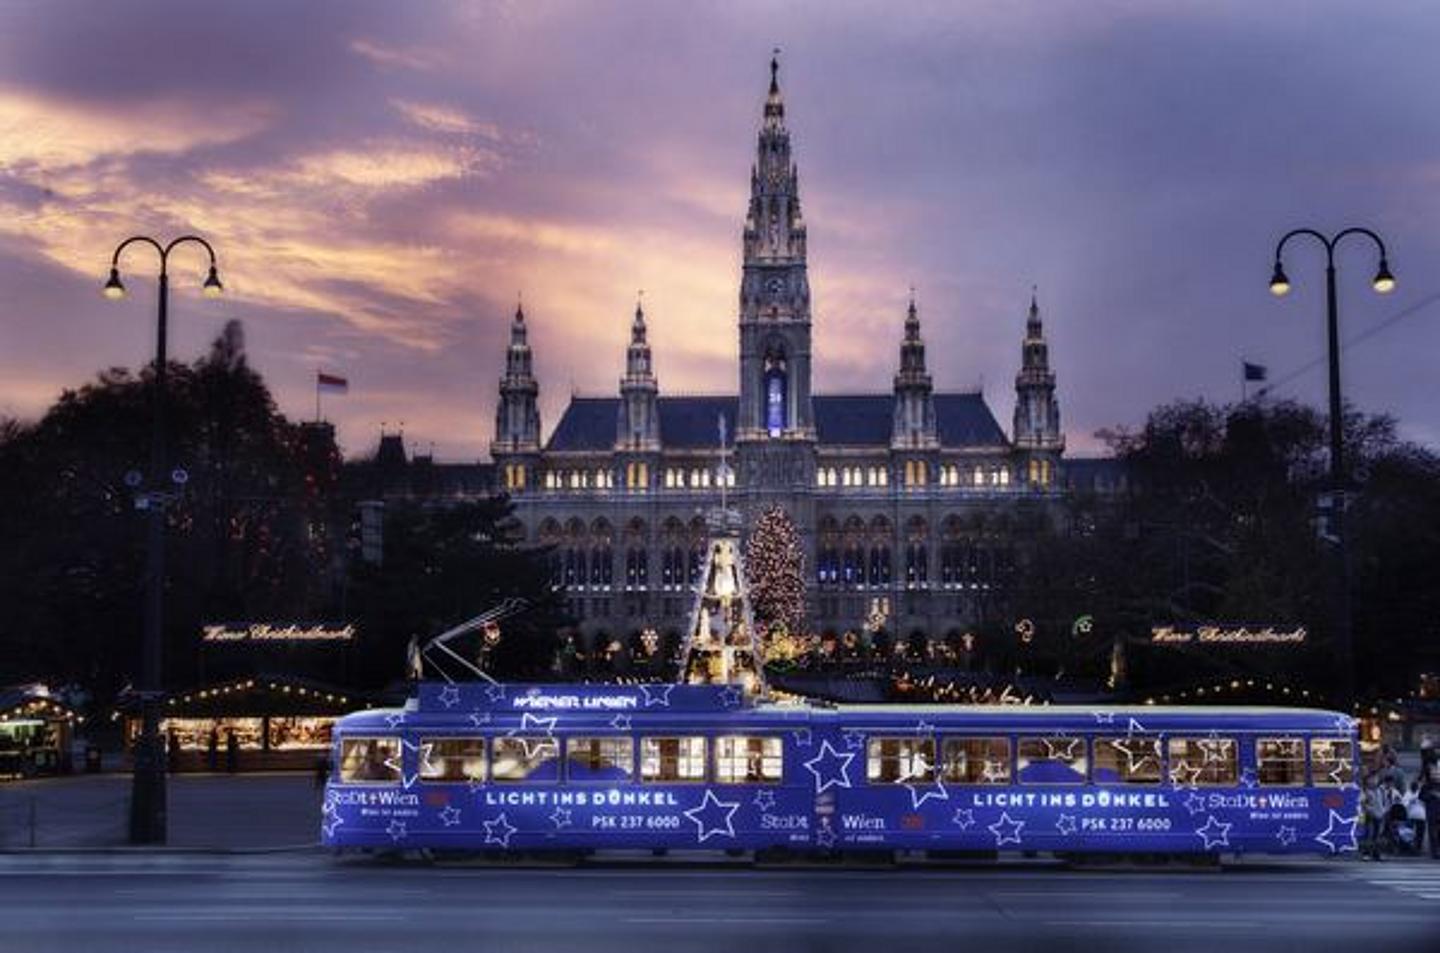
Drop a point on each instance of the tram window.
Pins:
(600, 759)
(369, 760)
(1332, 761)
(1205, 762)
(900, 759)
(452, 759)
(1134, 759)
(672, 759)
(515, 759)
(977, 760)
(748, 759)
(1057, 760)
(1280, 761)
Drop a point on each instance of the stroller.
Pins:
(1400, 833)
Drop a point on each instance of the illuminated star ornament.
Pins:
(1005, 830)
(1104, 717)
(479, 718)
(658, 695)
(1066, 824)
(1339, 834)
(396, 763)
(831, 768)
(395, 719)
(1185, 775)
(1136, 759)
(1344, 723)
(713, 817)
(1214, 833)
(765, 799)
(498, 831)
(963, 818)
(730, 697)
(449, 696)
(1286, 835)
(854, 739)
(1195, 804)
(1053, 748)
(450, 816)
(496, 693)
(396, 830)
(1133, 727)
(560, 817)
(994, 772)
(620, 722)
(802, 737)
(1247, 778)
(923, 727)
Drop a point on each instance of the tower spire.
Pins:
(1037, 412)
(914, 425)
(638, 424)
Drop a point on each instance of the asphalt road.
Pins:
(310, 902)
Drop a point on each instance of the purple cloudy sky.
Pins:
(382, 178)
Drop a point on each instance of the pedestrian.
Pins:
(232, 752)
(1373, 803)
(1430, 795)
(1415, 818)
(212, 751)
(172, 750)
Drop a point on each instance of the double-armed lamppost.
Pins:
(1384, 283)
(147, 798)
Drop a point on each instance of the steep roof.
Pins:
(964, 420)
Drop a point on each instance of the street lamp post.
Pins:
(1383, 283)
(147, 797)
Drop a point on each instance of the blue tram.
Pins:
(592, 767)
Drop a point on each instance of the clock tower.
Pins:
(775, 434)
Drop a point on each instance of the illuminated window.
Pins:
(977, 760)
(370, 760)
(979, 477)
(1332, 761)
(897, 760)
(452, 759)
(672, 759)
(1208, 762)
(600, 759)
(1134, 759)
(1057, 760)
(1280, 761)
(520, 759)
(741, 759)
(300, 732)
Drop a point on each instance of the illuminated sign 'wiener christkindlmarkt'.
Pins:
(1228, 635)
(270, 632)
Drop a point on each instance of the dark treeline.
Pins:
(260, 529)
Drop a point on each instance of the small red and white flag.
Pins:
(331, 383)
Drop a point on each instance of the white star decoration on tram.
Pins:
(530, 723)
(765, 799)
(1214, 833)
(922, 791)
(1183, 774)
(657, 695)
(825, 836)
(1336, 839)
(1053, 746)
(730, 697)
(498, 831)
(1006, 831)
(620, 722)
(708, 818)
(1195, 804)
(332, 820)
(854, 739)
(495, 693)
(1066, 824)
(450, 816)
(449, 696)
(1133, 727)
(963, 818)
(479, 718)
(395, 719)
(831, 768)
(923, 727)
(396, 830)
(396, 763)
(1104, 717)
(802, 737)
(1247, 778)
(1286, 835)
(560, 817)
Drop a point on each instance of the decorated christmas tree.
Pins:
(776, 565)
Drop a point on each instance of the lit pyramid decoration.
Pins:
(720, 646)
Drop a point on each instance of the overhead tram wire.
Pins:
(1269, 389)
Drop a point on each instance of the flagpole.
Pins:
(317, 396)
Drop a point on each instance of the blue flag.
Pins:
(1254, 372)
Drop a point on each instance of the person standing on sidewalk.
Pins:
(1372, 801)
(1430, 795)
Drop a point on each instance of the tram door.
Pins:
(825, 825)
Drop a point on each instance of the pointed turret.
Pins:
(517, 416)
(1037, 412)
(774, 291)
(914, 392)
(638, 426)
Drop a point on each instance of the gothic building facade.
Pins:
(914, 501)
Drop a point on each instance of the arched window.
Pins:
(776, 395)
